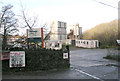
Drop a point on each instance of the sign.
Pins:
(35, 40)
(65, 55)
(17, 59)
(34, 33)
(118, 41)
(5, 56)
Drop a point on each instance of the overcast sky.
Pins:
(88, 13)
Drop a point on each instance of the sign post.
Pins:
(34, 36)
(42, 37)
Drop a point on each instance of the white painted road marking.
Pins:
(88, 74)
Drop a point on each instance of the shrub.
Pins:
(39, 59)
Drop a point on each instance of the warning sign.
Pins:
(65, 55)
(17, 59)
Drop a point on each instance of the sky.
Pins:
(87, 13)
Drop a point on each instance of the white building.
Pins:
(77, 31)
(58, 31)
(53, 44)
(87, 43)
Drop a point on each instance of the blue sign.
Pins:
(35, 40)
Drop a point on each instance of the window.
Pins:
(87, 42)
(84, 42)
(81, 41)
(59, 24)
(62, 24)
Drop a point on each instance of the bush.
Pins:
(39, 59)
(108, 57)
(113, 57)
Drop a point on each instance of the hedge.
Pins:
(39, 59)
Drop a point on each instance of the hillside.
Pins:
(106, 33)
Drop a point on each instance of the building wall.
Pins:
(53, 44)
(58, 31)
(53, 37)
(80, 32)
(62, 37)
(77, 32)
(67, 41)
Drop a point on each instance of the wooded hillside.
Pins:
(106, 33)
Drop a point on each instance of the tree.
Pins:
(106, 33)
(8, 23)
(26, 20)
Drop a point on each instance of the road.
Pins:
(92, 63)
(85, 64)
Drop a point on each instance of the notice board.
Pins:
(17, 59)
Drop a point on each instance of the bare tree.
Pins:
(8, 23)
(31, 21)
(45, 28)
(3, 13)
(27, 21)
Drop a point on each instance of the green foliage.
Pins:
(108, 57)
(106, 33)
(113, 57)
(40, 59)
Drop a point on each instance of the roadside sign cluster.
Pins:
(16, 58)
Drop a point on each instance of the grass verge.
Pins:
(113, 57)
